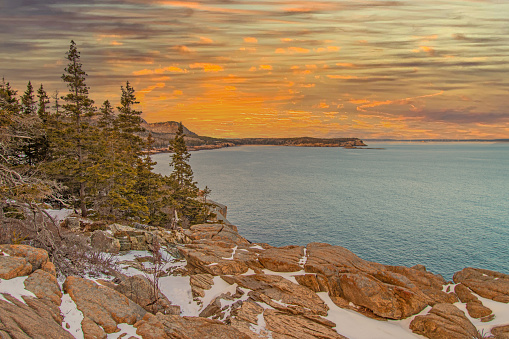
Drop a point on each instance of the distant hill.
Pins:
(164, 131)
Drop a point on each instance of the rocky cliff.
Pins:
(217, 284)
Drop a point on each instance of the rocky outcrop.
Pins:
(32, 318)
(488, 284)
(44, 286)
(280, 293)
(283, 259)
(35, 256)
(12, 267)
(140, 290)
(383, 290)
(171, 326)
(104, 242)
(103, 305)
(475, 307)
(500, 332)
(444, 321)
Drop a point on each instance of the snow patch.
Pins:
(233, 253)
(72, 317)
(126, 331)
(60, 215)
(258, 247)
(304, 259)
(16, 288)
(356, 326)
(178, 290)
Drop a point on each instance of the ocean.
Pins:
(442, 205)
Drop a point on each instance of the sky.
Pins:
(402, 69)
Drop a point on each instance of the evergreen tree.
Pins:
(184, 189)
(43, 110)
(73, 141)
(28, 101)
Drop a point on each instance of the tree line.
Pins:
(72, 153)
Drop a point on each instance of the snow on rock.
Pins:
(72, 317)
(15, 287)
(356, 326)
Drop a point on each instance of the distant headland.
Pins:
(164, 131)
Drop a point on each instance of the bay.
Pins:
(443, 205)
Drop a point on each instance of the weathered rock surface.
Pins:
(385, 290)
(475, 307)
(104, 242)
(35, 256)
(444, 321)
(103, 305)
(44, 286)
(281, 293)
(201, 282)
(12, 267)
(35, 319)
(283, 259)
(488, 284)
(285, 326)
(91, 330)
(216, 232)
(501, 332)
(140, 290)
(172, 326)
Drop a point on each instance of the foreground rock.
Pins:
(488, 284)
(32, 318)
(103, 305)
(172, 326)
(444, 321)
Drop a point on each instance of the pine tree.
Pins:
(184, 189)
(28, 101)
(43, 110)
(74, 145)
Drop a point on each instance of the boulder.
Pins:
(103, 305)
(35, 256)
(315, 282)
(385, 300)
(199, 283)
(50, 268)
(475, 307)
(44, 286)
(444, 321)
(280, 293)
(488, 284)
(219, 258)
(91, 330)
(282, 259)
(140, 290)
(33, 319)
(285, 325)
(172, 326)
(500, 332)
(387, 291)
(217, 232)
(104, 242)
(12, 267)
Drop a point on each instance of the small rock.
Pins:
(12, 267)
(45, 286)
(444, 321)
(104, 242)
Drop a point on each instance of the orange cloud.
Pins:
(266, 67)
(182, 49)
(251, 40)
(178, 92)
(206, 41)
(346, 65)
(327, 49)
(344, 77)
(292, 50)
(207, 67)
(430, 50)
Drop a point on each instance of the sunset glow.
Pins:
(279, 68)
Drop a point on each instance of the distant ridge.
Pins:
(162, 132)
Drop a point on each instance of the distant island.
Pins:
(162, 132)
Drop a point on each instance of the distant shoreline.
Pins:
(437, 140)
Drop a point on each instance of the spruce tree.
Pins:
(28, 101)
(184, 189)
(78, 108)
(43, 109)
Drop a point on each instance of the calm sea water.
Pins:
(444, 205)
